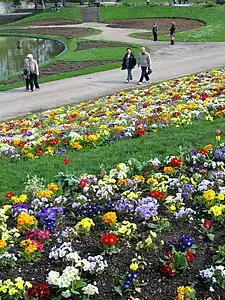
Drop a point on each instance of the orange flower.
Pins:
(168, 170)
(110, 218)
(208, 147)
(3, 244)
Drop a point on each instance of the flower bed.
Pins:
(153, 228)
(124, 115)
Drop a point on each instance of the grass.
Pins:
(160, 144)
(213, 16)
(68, 13)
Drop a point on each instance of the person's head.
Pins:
(30, 56)
(143, 50)
(173, 24)
(129, 51)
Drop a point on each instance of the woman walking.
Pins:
(129, 62)
(31, 73)
(155, 32)
(172, 33)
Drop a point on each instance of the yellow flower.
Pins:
(216, 210)
(218, 137)
(92, 138)
(134, 266)
(84, 226)
(76, 145)
(153, 234)
(152, 180)
(30, 249)
(22, 198)
(148, 241)
(110, 218)
(132, 196)
(173, 207)
(45, 194)
(168, 170)
(220, 197)
(209, 195)
(53, 187)
(3, 244)
(140, 178)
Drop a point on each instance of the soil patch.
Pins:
(62, 67)
(163, 23)
(88, 45)
(51, 22)
(69, 32)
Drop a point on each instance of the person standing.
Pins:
(145, 63)
(148, 2)
(129, 62)
(155, 32)
(172, 33)
(31, 73)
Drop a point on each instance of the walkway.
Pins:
(168, 62)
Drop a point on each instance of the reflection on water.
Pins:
(13, 51)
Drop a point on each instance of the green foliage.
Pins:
(161, 144)
(220, 257)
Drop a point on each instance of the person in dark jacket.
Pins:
(129, 62)
(172, 33)
(155, 32)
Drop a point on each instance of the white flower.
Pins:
(53, 277)
(90, 290)
(66, 294)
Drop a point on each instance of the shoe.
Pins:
(140, 83)
(30, 91)
(37, 89)
(131, 79)
(147, 81)
(126, 81)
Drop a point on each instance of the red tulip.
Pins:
(206, 224)
(66, 161)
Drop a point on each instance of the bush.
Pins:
(220, 2)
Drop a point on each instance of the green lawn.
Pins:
(213, 16)
(160, 144)
(68, 13)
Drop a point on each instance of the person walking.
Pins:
(155, 32)
(145, 63)
(129, 62)
(31, 73)
(172, 33)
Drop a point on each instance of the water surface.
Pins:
(13, 51)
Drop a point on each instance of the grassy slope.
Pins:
(161, 144)
(68, 13)
(213, 16)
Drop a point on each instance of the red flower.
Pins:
(206, 224)
(140, 131)
(38, 291)
(175, 162)
(84, 182)
(189, 256)
(168, 270)
(66, 161)
(205, 96)
(109, 239)
(157, 194)
(9, 195)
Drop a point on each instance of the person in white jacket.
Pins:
(31, 73)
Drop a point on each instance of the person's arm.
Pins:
(139, 58)
(157, 29)
(149, 61)
(37, 68)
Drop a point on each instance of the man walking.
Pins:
(155, 32)
(145, 64)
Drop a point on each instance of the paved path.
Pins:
(168, 62)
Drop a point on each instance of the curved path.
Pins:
(168, 62)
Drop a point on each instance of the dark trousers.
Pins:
(144, 74)
(172, 42)
(32, 81)
(155, 35)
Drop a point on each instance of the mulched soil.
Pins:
(51, 22)
(69, 32)
(92, 45)
(62, 67)
(163, 23)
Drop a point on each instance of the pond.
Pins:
(13, 51)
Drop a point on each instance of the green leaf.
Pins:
(118, 290)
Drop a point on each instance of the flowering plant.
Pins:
(186, 293)
(215, 276)
(32, 250)
(207, 229)
(85, 225)
(109, 242)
